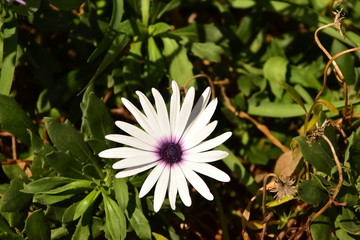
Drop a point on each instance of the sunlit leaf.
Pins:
(115, 222)
(86, 203)
(208, 51)
(180, 68)
(275, 69)
(329, 105)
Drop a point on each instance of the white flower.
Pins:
(171, 143)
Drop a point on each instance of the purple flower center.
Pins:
(170, 152)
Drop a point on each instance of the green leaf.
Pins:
(285, 110)
(138, 221)
(155, 64)
(158, 28)
(242, 4)
(65, 164)
(293, 94)
(96, 120)
(117, 45)
(113, 28)
(86, 203)
(15, 200)
(180, 68)
(348, 221)
(9, 51)
(348, 194)
(39, 166)
(208, 51)
(45, 184)
(145, 11)
(115, 222)
(121, 192)
(82, 231)
(275, 69)
(37, 226)
(6, 230)
(13, 119)
(321, 228)
(66, 138)
(329, 106)
(303, 76)
(72, 187)
(233, 163)
(312, 192)
(66, 5)
(46, 199)
(158, 236)
(317, 154)
(69, 213)
(59, 233)
(14, 172)
(133, 66)
(352, 154)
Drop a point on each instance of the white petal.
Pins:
(130, 141)
(151, 179)
(172, 189)
(135, 170)
(197, 182)
(184, 112)
(135, 161)
(209, 156)
(201, 121)
(140, 117)
(182, 185)
(198, 138)
(149, 111)
(210, 144)
(136, 132)
(200, 105)
(122, 152)
(160, 189)
(208, 170)
(174, 105)
(163, 116)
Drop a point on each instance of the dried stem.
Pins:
(338, 187)
(324, 86)
(336, 67)
(259, 126)
(265, 218)
(209, 81)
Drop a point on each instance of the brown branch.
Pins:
(208, 79)
(324, 85)
(258, 125)
(265, 217)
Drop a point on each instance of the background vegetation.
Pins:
(65, 64)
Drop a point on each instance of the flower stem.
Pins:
(220, 211)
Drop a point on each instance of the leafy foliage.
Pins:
(66, 64)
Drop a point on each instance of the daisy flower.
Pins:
(18, 1)
(172, 143)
